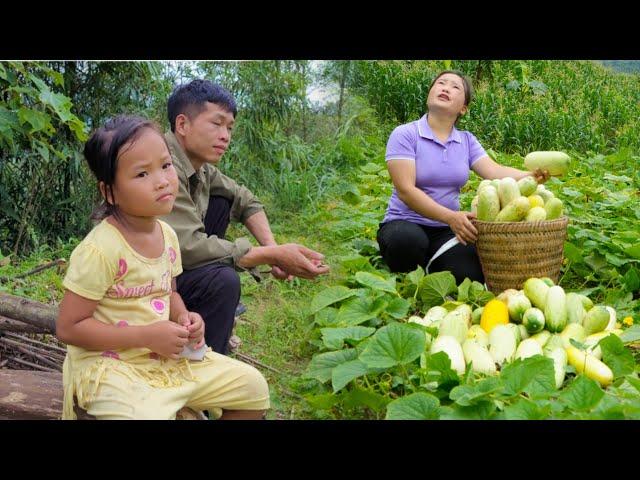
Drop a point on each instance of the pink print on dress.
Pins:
(172, 255)
(158, 305)
(122, 268)
(111, 354)
(122, 323)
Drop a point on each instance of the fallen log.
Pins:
(31, 395)
(29, 311)
(11, 325)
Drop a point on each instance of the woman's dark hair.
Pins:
(190, 99)
(466, 82)
(103, 149)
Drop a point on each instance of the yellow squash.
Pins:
(495, 313)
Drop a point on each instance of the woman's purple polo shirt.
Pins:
(442, 169)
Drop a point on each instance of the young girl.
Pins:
(429, 162)
(121, 316)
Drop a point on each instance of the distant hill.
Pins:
(626, 66)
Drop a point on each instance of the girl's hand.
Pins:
(540, 175)
(167, 338)
(460, 223)
(195, 325)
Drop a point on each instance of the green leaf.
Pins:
(60, 104)
(323, 401)
(596, 261)
(36, 119)
(330, 296)
(343, 374)
(416, 276)
(582, 394)
(356, 263)
(631, 334)
(376, 282)
(534, 376)
(618, 358)
(358, 397)
(481, 411)
(467, 395)
(334, 338)
(435, 287)
(356, 311)
(371, 167)
(327, 317)
(440, 363)
(631, 279)
(417, 406)
(322, 364)
(633, 251)
(463, 290)
(392, 345)
(351, 195)
(525, 409)
(398, 308)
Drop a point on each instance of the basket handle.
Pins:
(447, 246)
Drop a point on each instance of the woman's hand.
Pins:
(540, 175)
(460, 223)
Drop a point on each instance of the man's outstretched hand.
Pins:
(299, 261)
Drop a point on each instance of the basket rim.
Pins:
(564, 218)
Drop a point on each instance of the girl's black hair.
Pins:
(103, 149)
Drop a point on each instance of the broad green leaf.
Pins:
(633, 251)
(440, 363)
(481, 411)
(609, 408)
(398, 308)
(467, 395)
(416, 276)
(596, 261)
(358, 397)
(330, 296)
(435, 287)
(615, 260)
(618, 358)
(343, 374)
(327, 317)
(60, 104)
(351, 195)
(356, 311)
(323, 401)
(36, 119)
(525, 409)
(617, 178)
(376, 282)
(417, 406)
(632, 279)
(533, 375)
(322, 364)
(463, 290)
(371, 167)
(631, 334)
(356, 263)
(334, 338)
(573, 253)
(582, 394)
(392, 345)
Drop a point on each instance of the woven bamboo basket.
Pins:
(512, 252)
